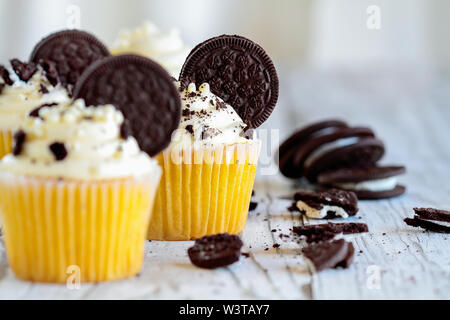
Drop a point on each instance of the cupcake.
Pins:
(147, 40)
(55, 64)
(77, 192)
(228, 87)
(208, 171)
(23, 87)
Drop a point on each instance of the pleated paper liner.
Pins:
(204, 191)
(5, 142)
(57, 230)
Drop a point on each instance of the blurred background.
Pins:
(322, 33)
(381, 63)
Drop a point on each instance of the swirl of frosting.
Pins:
(167, 49)
(207, 120)
(72, 141)
(18, 99)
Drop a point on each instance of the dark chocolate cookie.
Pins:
(71, 51)
(346, 200)
(239, 71)
(384, 194)
(326, 255)
(289, 148)
(365, 152)
(424, 216)
(359, 174)
(316, 143)
(336, 178)
(427, 225)
(327, 231)
(433, 214)
(348, 259)
(142, 90)
(215, 251)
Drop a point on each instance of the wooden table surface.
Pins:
(411, 113)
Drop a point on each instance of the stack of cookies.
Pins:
(333, 154)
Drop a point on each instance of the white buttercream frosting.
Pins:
(21, 97)
(207, 120)
(320, 213)
(370, 185)
(92, 139)
(167, 49)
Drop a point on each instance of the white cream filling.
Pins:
(320, 213)
(370, 185)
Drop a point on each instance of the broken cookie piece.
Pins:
(326, 255)
(430, 219)
(327, 204)
(327, 231)
(215, 251)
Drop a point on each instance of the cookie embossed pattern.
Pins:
(239, 71)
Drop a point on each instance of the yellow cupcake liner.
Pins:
(204, 191)
(6, 140)
(69, 231)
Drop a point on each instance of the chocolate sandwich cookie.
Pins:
(239, 71)
(289, 148)
(315, 146)
(326, 255)
(373, 182)
(430, 219)
(327, 204)
(69, 52)
(142, 90)
(364, 152)
(327, 231)
(215, 251)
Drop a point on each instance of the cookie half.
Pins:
(326, 255)
(373, 182)
(215, 251)
(142, 90)
(239, 71)
(327, 204)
